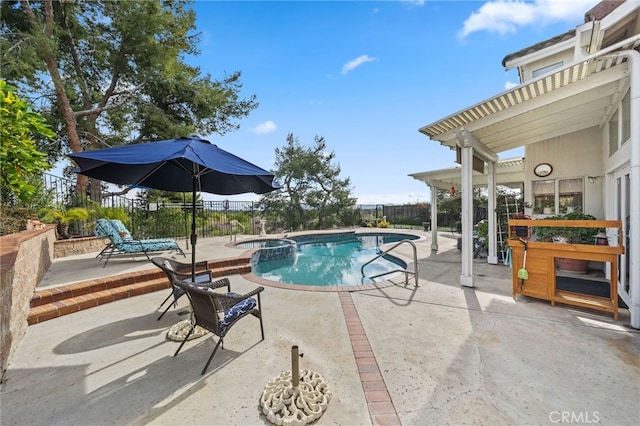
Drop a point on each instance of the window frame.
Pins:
(557, 202)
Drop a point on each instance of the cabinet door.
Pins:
(540, 271)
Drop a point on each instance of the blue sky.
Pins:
(367, 75)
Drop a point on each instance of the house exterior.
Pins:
(576, 112)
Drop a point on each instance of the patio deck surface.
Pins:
(436, 354)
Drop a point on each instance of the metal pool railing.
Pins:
(404, 270)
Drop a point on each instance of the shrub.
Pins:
(572, 235)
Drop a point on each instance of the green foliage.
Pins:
(163, 223)
(120, 69)
(20, 158)
(62, 217)
(350, 217)
(14, 219)
(313, 194)
(96, 211)
(572, 235)
(483, 229)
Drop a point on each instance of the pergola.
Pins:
(577, 96)
(509, 172)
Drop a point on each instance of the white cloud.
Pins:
(510, 85)
(355, 63)
(414, 2)
(266, 127)
(505, 16)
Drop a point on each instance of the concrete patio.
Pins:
(436, 354)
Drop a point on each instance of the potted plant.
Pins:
(570, 235)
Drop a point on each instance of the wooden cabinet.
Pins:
(541, 265)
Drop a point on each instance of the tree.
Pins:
(20, 158)
(108, 73)
(313, 193)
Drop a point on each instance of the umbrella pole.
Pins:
(194, 237)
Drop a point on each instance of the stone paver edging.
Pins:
(381, 408)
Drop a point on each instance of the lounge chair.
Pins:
(217, 312)
(121, 242)
(177, 271)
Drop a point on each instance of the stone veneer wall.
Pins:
(74, 246)
(24, 259)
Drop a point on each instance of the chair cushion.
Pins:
(140, 246)
(105, 228)
(122, 229)
(202, 278)
(240, 308)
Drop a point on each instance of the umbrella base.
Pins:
(179, 331)
(284, 404)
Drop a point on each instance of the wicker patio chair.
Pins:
(177, 271)
(218, 312)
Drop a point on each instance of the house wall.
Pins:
(576, 155)
(565, 57)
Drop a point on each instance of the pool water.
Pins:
(333, 263)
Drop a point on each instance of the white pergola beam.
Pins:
(575, 94)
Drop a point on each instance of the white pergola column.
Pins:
(434, 217)
(466, 277)
(468, 144)
(492, 257)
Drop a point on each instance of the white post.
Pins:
(492, 257)
(634, 195)
(466, 278)
(434, 217)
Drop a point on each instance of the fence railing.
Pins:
(149, 219)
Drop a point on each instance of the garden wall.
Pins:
(24, 259)
(74, 246)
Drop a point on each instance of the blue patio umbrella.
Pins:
(180, 165)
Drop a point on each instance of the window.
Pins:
(544, 70)
(557, 196)
(570, 195)
(620, 125)
(613, 134)
(544, 196)
(626, 118)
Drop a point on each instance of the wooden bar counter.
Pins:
(541, 263)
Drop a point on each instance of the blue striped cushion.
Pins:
(240, 308)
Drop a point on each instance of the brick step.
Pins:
(63, 292)
(73, 304)
(57, 301)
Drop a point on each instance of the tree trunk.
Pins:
(69, 118)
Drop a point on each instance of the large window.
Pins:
(626, 119)
(557, 196)
(613, 134)
(620, 125)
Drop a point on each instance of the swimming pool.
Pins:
(328, 259)
(263, 244)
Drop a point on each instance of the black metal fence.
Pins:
(147, 219)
